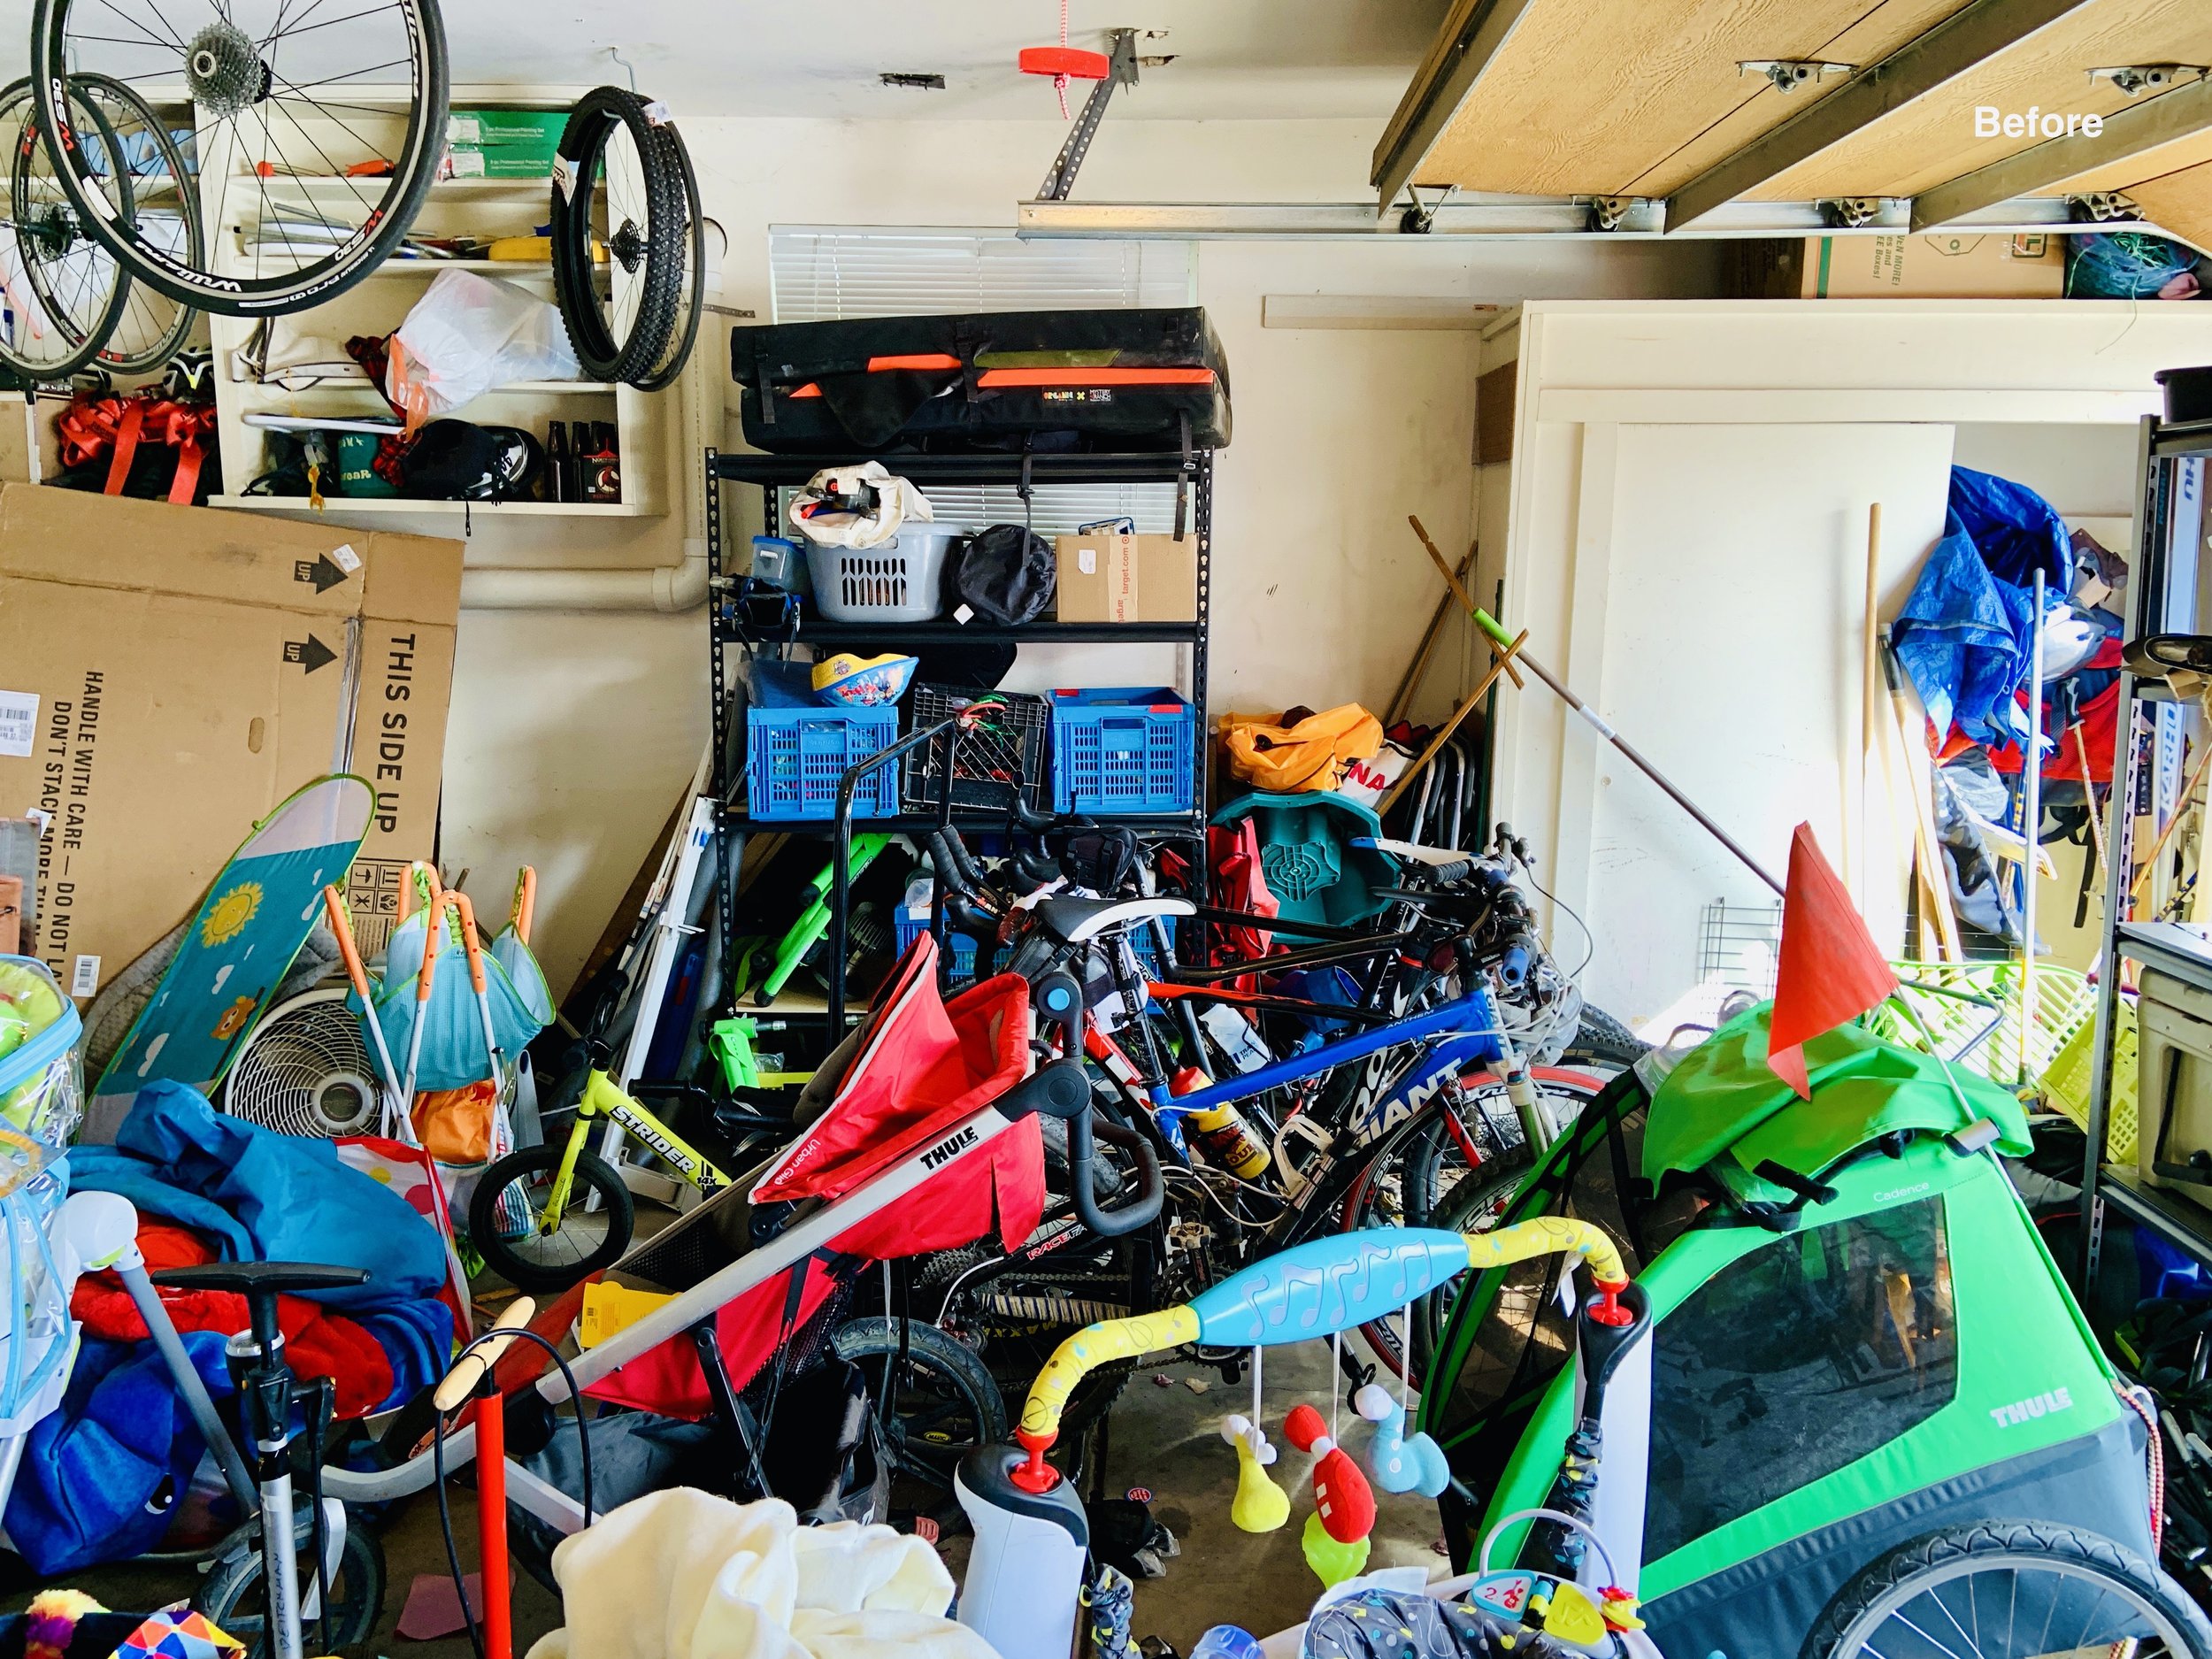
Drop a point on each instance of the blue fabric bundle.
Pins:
(101, 1474)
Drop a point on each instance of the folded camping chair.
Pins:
(903, 1086)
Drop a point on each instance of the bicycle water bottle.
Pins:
(1227, 1642)
(1221, 1133)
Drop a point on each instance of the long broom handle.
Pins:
(360, 976)
(1490, 625)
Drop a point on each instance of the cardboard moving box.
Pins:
(1111, 578)
(1944, 265)
(170, 674)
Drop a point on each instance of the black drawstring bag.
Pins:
(1005, 574)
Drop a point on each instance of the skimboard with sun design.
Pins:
(242, 940)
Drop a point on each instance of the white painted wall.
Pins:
(572, 736)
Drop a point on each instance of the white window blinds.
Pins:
(819, 274)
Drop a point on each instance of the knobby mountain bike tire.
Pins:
(691, 294)
(63, 291)
(319, 133)
(615, 137)
(153, 183)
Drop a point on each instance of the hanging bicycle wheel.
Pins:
(63, 290)
(691, 294)
(145, 167)
(623, 185)
(321, 126)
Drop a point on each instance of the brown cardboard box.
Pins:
(1109, 578)
(169, 675)
(1944, 265)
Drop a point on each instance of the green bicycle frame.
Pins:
(602, 1100)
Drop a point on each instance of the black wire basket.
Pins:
(1002, 754)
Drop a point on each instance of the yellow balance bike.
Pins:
(549, 1216)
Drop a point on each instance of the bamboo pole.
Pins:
(1443, 732)
(1403, 698)
(1459, 591)
(1927, 854)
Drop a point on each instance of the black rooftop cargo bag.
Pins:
(1034, 381)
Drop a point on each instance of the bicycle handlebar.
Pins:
(1058, 997)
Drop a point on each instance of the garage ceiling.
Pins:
(1648, 99)
(1234, 58)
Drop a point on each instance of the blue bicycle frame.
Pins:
(1463, 1032)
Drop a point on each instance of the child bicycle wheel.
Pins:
(506, 1214)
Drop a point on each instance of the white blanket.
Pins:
(686, 1575)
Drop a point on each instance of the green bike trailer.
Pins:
(1859, 1343)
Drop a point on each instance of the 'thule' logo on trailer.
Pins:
(2021, 1411)
(944, 1149)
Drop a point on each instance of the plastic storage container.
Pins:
(1124, 750)
(42, 1084)
(900, 581)
(797, 748)
(1002, 752)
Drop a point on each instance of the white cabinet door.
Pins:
(1710, 590)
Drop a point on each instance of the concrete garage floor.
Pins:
(1166, 1439)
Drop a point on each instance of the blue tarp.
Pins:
(1964, 633)
(2014, 529)
(1964, 638)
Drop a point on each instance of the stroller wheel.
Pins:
(2010, 1590)
(507, 1219)
(940, 1404)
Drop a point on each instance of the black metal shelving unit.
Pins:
(1190, 472)
(2174, 463)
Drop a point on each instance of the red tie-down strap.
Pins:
(116, 426)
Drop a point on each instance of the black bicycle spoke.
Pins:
(325, 108)
(147, 36)
(327, 23)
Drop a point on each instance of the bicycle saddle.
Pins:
(248, 1279)
(1075, 920)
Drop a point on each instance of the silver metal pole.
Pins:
(2031, 823)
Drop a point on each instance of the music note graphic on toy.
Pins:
(1400, 1463)
(1260, 1505)
(1335, 1542)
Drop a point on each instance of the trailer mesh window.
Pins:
(1794, 1361)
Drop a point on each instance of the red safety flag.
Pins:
(1830, 969)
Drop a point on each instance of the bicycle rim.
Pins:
(151, 326)
(570, 1242)
(322, 123)
(63, 291)
(2013, 1605)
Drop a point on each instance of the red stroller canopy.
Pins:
(914, 1071)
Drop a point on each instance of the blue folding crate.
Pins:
(1124, 750)
(797, 748)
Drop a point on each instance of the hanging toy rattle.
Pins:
(1260, 1505)
(1401, 1462)
(1336, 1540)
